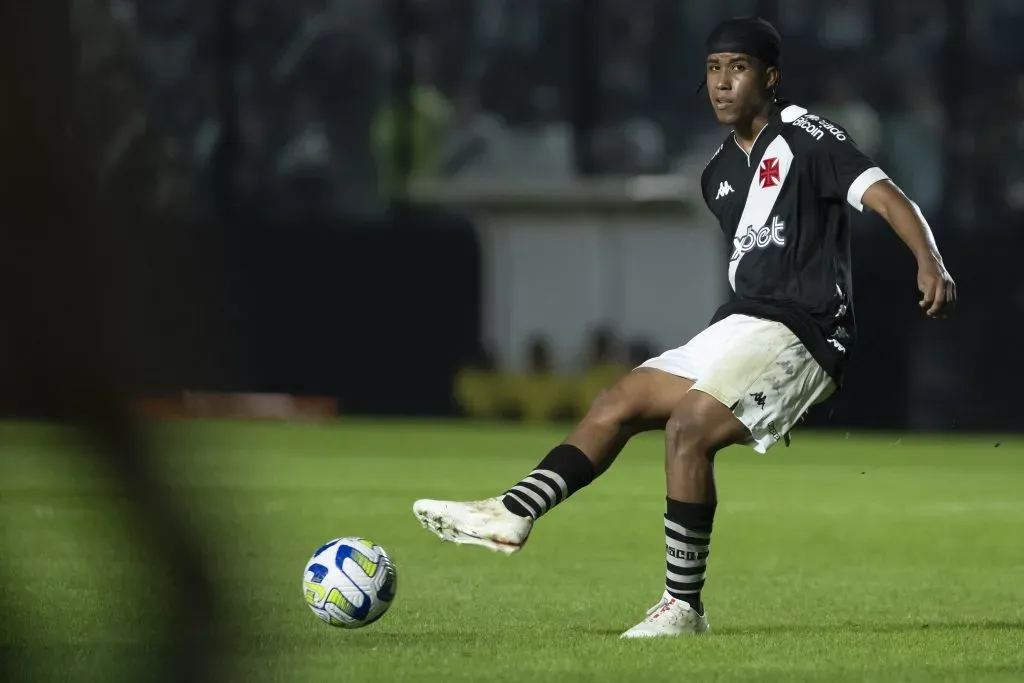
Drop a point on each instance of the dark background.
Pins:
(267, 143)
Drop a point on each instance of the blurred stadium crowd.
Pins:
(284, 111)
(496, 94)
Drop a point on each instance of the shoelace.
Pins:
(659, 609)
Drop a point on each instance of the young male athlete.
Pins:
(780, 186)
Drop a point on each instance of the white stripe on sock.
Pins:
(681, 578)
(541, 503)
(680, 529)
(548, 491)
(526, 506)
(557, 478)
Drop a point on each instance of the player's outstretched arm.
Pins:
(938, 291)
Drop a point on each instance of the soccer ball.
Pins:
(350, 582)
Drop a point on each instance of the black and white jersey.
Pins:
(785, 209)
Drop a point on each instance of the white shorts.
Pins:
(758, 368)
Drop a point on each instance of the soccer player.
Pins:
(781, 186)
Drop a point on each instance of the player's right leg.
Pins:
(640, 401)
(757, 387)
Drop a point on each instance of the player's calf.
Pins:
(563, 472)
(698, 428)
(640, 401)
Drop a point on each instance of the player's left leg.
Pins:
(754, 394)
(698, 428)
(640, 401)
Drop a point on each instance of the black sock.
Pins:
(564, 471)
(687, 542)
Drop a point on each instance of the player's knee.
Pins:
(611, 408)
(688, 435)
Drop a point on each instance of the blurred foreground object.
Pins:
(67, 348)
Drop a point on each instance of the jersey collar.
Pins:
(764, 136)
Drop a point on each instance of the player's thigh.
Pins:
(644, 398)
(702, 423)
(768, 380)
(658, 386)
(662, 382)
(692, 359)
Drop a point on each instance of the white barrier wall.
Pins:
(559, 262)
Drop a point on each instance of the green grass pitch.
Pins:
(842, 558)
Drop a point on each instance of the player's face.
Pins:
(737, 86)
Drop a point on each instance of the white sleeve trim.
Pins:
(792, 113)
(861, 185)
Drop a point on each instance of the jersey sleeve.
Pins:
(704, 187)
(843, 171)
(705, 178)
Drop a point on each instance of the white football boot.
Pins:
(487, 523)
(670, 617)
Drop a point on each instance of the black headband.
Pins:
(754, 37)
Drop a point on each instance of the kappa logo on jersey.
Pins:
(723, 189)
(769, 172)
(759, 239)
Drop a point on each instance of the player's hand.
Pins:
(938, 291)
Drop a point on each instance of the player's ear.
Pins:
(772, 78)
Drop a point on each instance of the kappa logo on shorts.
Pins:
(759, 399)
